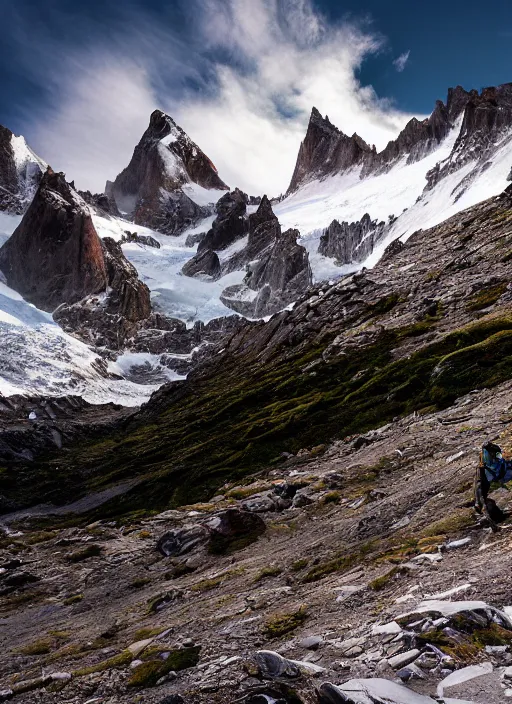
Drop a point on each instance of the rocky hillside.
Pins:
(168, 180)
(323, 547)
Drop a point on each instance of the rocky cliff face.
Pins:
(230, 223)
(486, 126)
(278, 269)
(351, 242)
(20, 172)
(326, 150)
(56, 260)
(150, 188)
(55, 255)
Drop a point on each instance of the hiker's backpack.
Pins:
(496, 468)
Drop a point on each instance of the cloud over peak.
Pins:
(240, 76)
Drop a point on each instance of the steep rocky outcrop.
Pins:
(280, 275)
(20, 172)
(57, 261)
(55, 255)
(101, 202)
(110, 319)
(326, 150)
(351, 242)
(150, 187)
(486, 127)
(230, 223)
(203, 264)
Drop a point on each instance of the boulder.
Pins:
(146, 240)
(233, 530)
(182, 540)
(204, 264)
(55, 255)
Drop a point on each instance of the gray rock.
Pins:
(192, 240)
(204, 263)
(272, 665)
(182, 540)
(311, 642)
(402, 659)
(351, 242)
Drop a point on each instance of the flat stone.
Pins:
(454, 544)
(386, 629)
(402, 659)
(137, 648)
(311, 642)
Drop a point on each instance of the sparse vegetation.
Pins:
(486, 297)
(84, 554)
(38, 647)
(281, 624)
(73, 599)
(267, 572)
(148, 673)
(300, 564)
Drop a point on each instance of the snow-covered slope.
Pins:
(37, 357)
(177, 296)
(419, 185)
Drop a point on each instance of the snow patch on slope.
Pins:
(175, 295)
(398, 192)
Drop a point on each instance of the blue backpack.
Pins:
(497, 469)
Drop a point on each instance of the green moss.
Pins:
(39, 537)
(468, 639)
(140, 582)
(206, 585)
(73, 599)
(300, 564)
(38, 647)
(145, 633)
(241, 493)
(267, 572)
(281, 624)
(332, 497)
(381, 582)
(117, 662)
(84, 554)
(454, 523)
(486, 297)
(339, 563)
(148, 673)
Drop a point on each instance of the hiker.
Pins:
(493, 467)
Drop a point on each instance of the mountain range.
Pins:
(202, 389)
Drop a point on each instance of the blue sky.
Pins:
(79, 79)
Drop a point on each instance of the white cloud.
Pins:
(92, 134)
(249, 108)
(400, 62)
